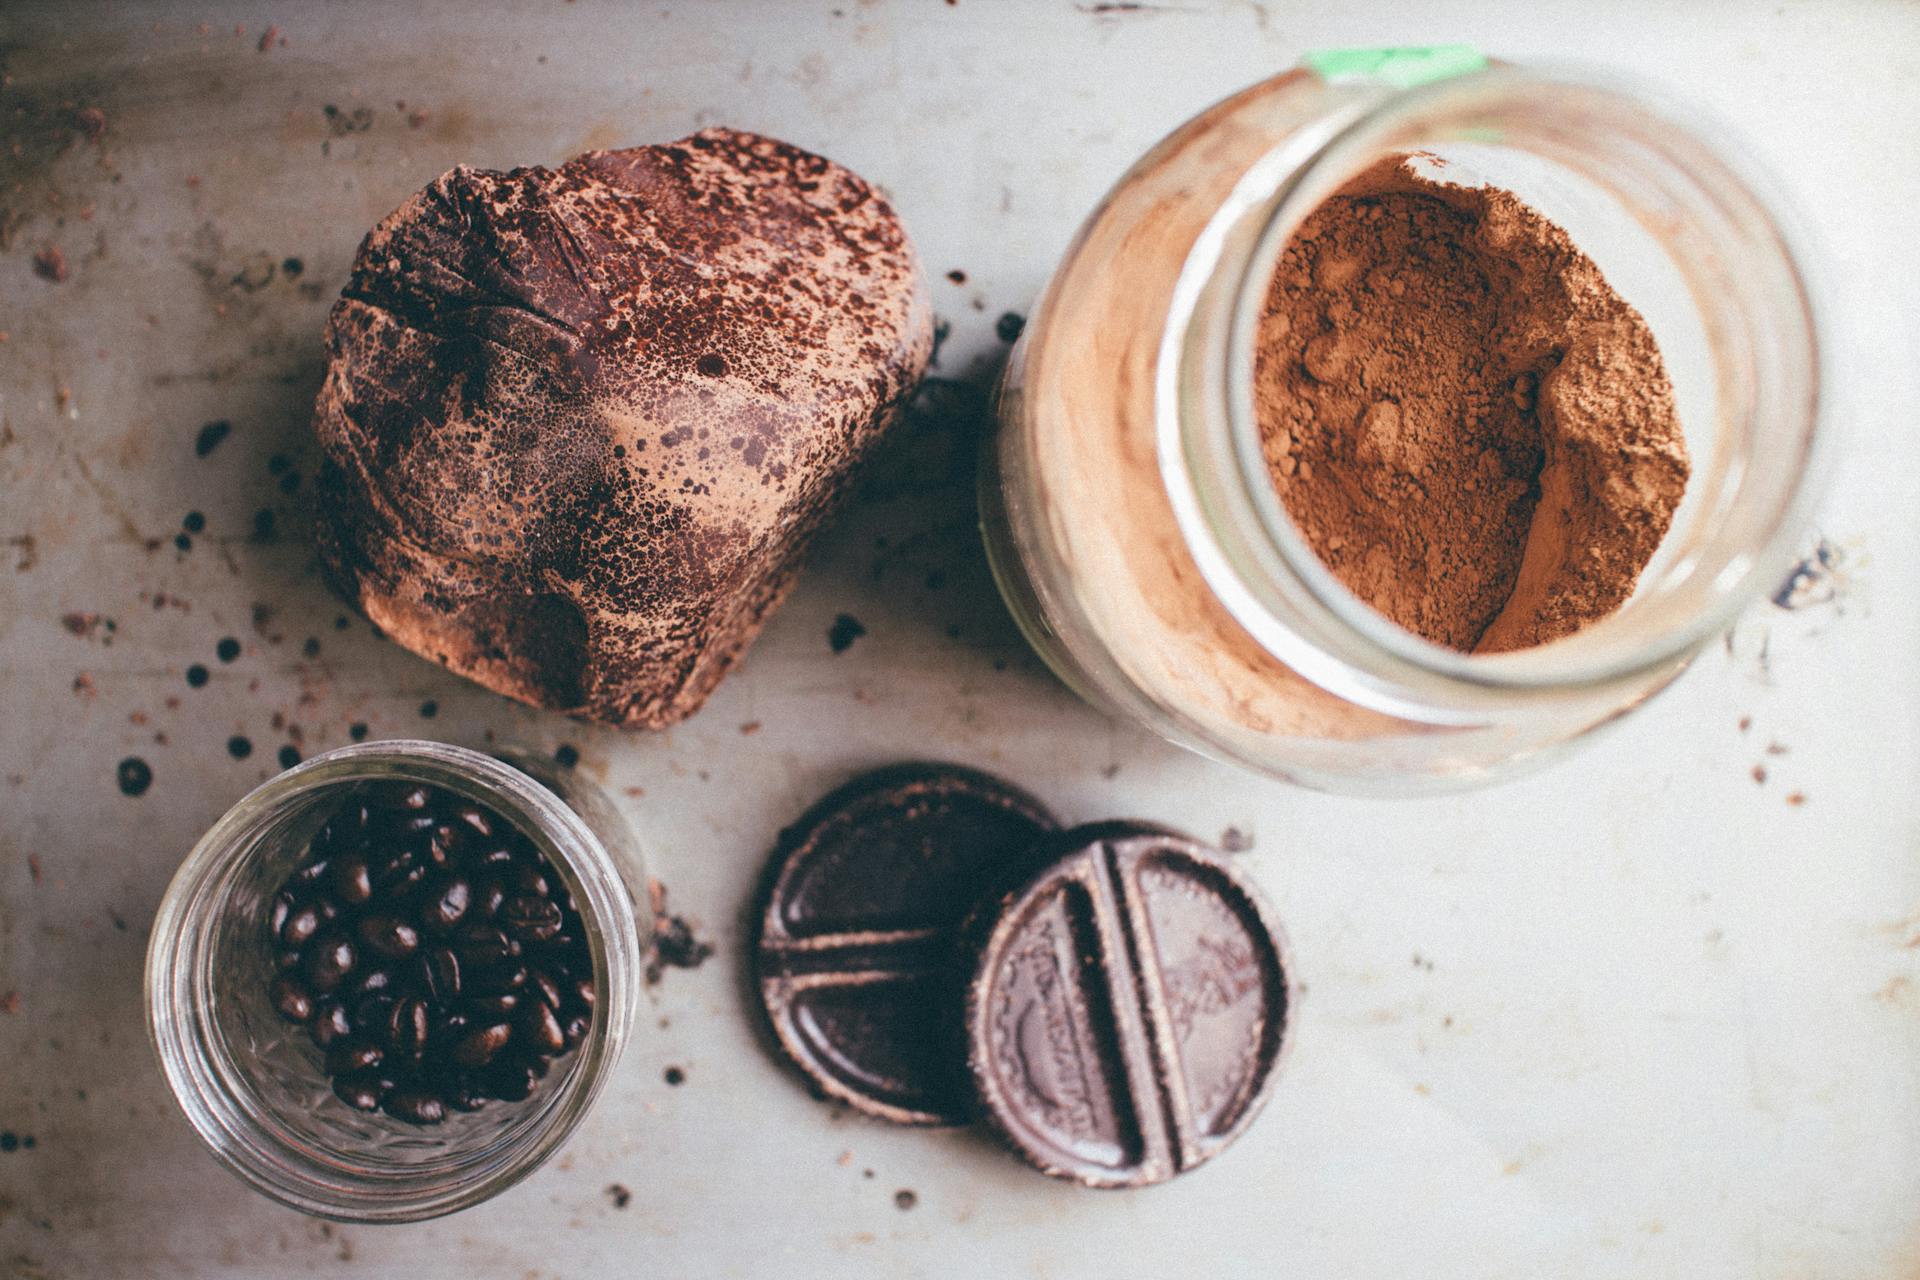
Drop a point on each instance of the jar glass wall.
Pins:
(1138, 537)
(255, 1088)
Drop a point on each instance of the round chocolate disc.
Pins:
(1128, 1007)
(856, 956)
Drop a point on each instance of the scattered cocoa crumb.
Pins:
(957, 276)
(10, 1002)
(80, 624)
(845, 630)
(674, 943)
(620, 1196)
(1746, 723)
(33, 867)
(50, 264)
(268, 37)
(83, 685)
(844, 1159)
(1796, 798)
(91, 121)
(904, 1199)
(417, 117)
(1760, 773)
(674, 1076)
(750, 728)
(1234, 840)
(1776, 748)
(566, 755)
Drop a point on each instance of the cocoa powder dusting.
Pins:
(1471, 429)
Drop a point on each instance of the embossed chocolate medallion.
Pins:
(1128, 1008)
(856, 960)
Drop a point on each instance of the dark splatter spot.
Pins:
(134, 776)
(209, 437)
(342, 622)
(194, 522)
(357, 731)
(566, 755)
(289, 756)
(674, 1076)
(1009, 326)
(9, 1141)
(1817, 579)
(278, 463)
(904, 1199)
(620, 1196)
(292, 266)
(290, 482)
(197, 676)
(310, 647)
(263, 525)
(711, 366)
(845, 630)
(239, 747)
(429, 709)
(228, 649)
(957, 276)
(183, 542)
(50, 264)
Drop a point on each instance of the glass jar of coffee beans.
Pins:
(388, 983)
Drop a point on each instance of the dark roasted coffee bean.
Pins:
(461, 1091)
(540, 1030)
(376, 980)
(442, 847)
(351, 1053)
(543, 985)
(510, 1080)
(414, 1106)
(480, 1046)
(474, 819)
(494, 856)
(330, 1023)
(581, 993)
(361, 1092)
(373, 1016)
(309, 875)
(576, 1028)
(389, 936)
(439, 974)
(495, 1007)
(528, 877)
(287, 959)
(282, 908)
(396, 874)
(329, 960)
(482, 944)
(489, 891)
(300, 926)
(445, 903)
(446, 1029)
(407, 1028)
(351, 881)
(528, 918)
(400, 796)
(291, 1000)
(344, 829)
(494, 980)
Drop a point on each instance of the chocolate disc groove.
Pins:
(1128, 1008)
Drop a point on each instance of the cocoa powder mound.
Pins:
(1471, 429)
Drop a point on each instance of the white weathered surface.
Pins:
(1635, 1016)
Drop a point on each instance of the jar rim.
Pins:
(1346, 645)
(191, 1050)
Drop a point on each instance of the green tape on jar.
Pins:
(1403, 67)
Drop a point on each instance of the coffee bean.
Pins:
(400, 796)
(510, 1081)
(445, 904)
(396, 875)
(329, 960)
(287, 960)
(373, 1016)
(581, 993)
(462, 1092)
(495, 1007)
(528, 918)
(439, 975)
(442, 847)
(475, 819)
(351, 880)
(291, 1000)
(361, 1092)
(482, 944)
(526, 877)
(309, 875)
(393, 938)
(350, 1054)
(479, 1047)
(496, 855)
(541, 1030)
(446, 1030)
(376, 980)
(344, 829)
(414, 1106)
(277, 916)
(328, 910)
(330, 1023)
(300, 926)
(408, 1027)
(576, 1028)
(544, 986)
(489, 892)
(493, 980)
(538, 1065)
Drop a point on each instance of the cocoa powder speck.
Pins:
(1471, 429)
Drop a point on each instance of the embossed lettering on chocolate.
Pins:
(580, 424)
(1128, 1007)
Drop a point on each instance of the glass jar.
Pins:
(254, 1087)
(1129, 515)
